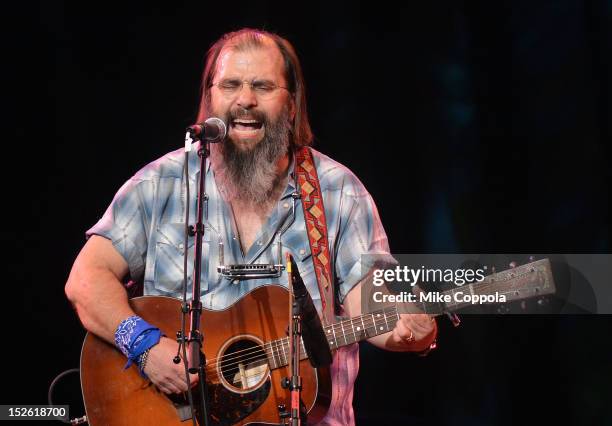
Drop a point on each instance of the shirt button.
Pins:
(302, 251)
(181, 246)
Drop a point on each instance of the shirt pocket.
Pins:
(169, 259)
(296, 242)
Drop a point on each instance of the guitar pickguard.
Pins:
(229, 408)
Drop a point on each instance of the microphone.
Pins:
(212, 130)
(313, 335)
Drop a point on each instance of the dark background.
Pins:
(477, 127)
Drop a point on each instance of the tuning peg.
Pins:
(543, 301)
(454, 318)
(503, 309)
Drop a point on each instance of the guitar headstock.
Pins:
(525, 281)
(533, 281)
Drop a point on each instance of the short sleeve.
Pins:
(362, 242)
(124, 224)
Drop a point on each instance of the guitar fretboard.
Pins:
(532, 279)
(338, 334)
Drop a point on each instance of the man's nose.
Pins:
(246, 96)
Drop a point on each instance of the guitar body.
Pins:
(246, 357)
(240, 393)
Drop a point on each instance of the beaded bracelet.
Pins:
(142, 361)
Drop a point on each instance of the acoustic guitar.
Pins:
(247, 354)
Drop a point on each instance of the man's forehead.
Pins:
(259, 60)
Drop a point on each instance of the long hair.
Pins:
(248, 38)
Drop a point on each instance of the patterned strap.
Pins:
(316, 228)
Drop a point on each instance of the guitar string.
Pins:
(260, 353)
(284, 343)
(340, 325)
(233, 370)
(372, 322)
(334, 327)
(227, 368)
(276, 344)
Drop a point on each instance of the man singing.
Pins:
(253, 82)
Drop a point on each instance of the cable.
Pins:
(52, 386)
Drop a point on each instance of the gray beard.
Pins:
(250, 175)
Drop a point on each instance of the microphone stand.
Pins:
(196, 359)
(295, 336)
(305, 328)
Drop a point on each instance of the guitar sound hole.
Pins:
(244, 365)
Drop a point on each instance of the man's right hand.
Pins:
(163, 372)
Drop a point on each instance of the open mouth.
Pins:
(246, 125)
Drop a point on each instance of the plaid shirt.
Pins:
(146, 223)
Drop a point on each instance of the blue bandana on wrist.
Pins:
(134, 336)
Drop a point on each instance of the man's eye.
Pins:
(263, 87)
(229, 85)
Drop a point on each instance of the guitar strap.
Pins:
(316, 228)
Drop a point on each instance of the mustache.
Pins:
(247, 114)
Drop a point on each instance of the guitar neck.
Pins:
(532, 279)
(362, 327)
(338, 334)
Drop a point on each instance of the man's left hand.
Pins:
(413, 328)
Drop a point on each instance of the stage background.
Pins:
(476, 126)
